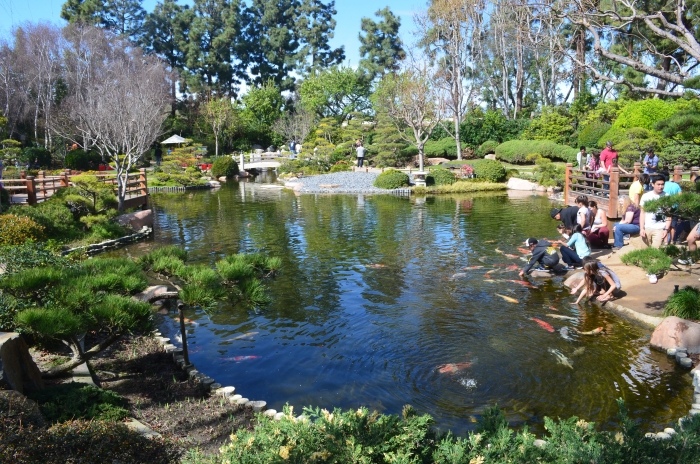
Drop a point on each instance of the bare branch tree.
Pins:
(120, 102)
(295, 126)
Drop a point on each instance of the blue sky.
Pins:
(13, 12)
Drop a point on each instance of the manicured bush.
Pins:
(487, 148)
(489, 170)
(341, 166)
(17, 229)
(652, 260)
(82, 160)
(54, 216)
(440, 176)
(684, 154)
(589, 134)
(548, 174)
(684, 304)
(391, 179)
(224, 166)
(645, 113)
(443, 148)
(516, 151)
(79, 401)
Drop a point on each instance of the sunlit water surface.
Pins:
(373, 307)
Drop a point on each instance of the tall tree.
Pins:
(218, 112)
(125, 17)
(166, 34)
(215, 27)
(84, 11)
(381, 48)
(335, 92)
(262, 107)
(314, 26)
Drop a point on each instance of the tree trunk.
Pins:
(457, 141)
(666, 66)
(80, 357)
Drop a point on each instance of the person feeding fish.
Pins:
(543, 253)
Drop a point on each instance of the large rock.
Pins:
(156, 292)
(137, 220)
(674, 332)
(520, 184)
(17, 368)
(490, 157)
(574, 279)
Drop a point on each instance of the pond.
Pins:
(384, 301)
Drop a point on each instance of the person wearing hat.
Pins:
(568, 215)
(543, 253)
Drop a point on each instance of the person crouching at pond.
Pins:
(543, 253)
(597, 278)
(574, 259)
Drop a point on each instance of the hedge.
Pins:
(440, 176)
(487, 148)
(224, 166)
(490, 170)
(82, 160)
(391, 179)
(591, 133)
(516, 151)
(443, 148)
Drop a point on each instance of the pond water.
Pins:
(374, 307)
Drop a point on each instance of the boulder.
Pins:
(214, 184)
(675, 332)
(222, 179)
(137, 220)
(520, 184)
(574, 279)
(17, 368)
(436, 161)
(490, 157)
(155, 292)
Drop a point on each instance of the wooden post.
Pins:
(637, 168)
(31, 190)
(143, 182)
(183, 331)
(23, 174)
(614, 191)
(64, 179)
(694, 173)
(677, 174)
(567, 183)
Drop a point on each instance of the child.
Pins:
(577, 240)
(597, 278)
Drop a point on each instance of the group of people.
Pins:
(294, 147)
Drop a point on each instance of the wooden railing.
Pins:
(607, 193)
(30, 190)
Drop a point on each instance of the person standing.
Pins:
(653, 226)
(360, 154)
(608, 158)
(651, 162)
(582, 157)
(158, 154)
(671, 188)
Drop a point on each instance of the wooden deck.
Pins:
(608, 194)
(31, 190)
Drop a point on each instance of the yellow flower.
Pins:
(284, 452)
(620, 438)
(477, 460)
(582, 424)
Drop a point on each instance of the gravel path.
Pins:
(347, 182)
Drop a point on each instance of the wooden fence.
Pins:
(607, 193)
(31, 190)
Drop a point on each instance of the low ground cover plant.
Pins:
(652, 260)
(684, 304)
(72, 401)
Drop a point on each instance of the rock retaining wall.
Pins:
(112, 244)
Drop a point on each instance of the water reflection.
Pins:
(384, 301)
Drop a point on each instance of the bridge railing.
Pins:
(606, 189)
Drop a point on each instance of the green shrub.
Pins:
(553, 124)
(490, 170)
(79, 401)
(652, 260)
(440, 176)
(516, 151)
(83, 160)
(632, 143)
(548, 174)
(224, 166)
(443, 148)
(391, 179)
(684, 304)
(41, 154)
(17, 229)
(589, 135)
(645, 113)
(462, 186)
(683, 154)
(341, 166)
(487, 148)
(54, 216)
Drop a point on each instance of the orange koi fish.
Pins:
(523, 283)
(508, 255)
(453, 368)
(543, 324)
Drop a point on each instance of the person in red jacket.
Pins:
(608, 158)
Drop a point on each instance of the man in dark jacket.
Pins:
(567, 215)
(543, 253)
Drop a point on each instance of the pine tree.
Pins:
(381, 48)
(388, 148)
